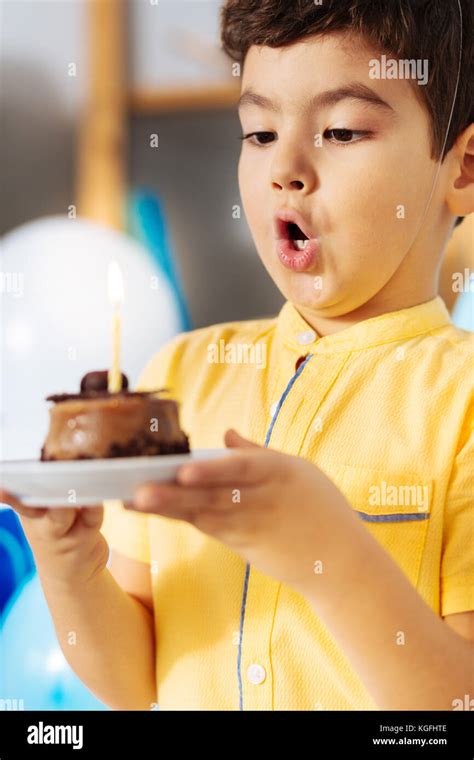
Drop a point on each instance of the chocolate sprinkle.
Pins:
(99, 380)
(134, 448)
(90, 395)
(94, 385)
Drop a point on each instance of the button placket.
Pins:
(257, 678)
(262, 596)
(303, 401)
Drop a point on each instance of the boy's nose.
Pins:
(293, 184)
(291, 170)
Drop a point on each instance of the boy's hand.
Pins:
(66, 542)
(279, 512)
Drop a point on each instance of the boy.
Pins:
(326, 562)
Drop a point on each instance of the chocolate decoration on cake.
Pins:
(98, 381)
(57, 398)
(95, 385)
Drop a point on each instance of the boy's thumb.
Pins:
(234, 440)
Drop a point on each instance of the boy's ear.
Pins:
(460, 196)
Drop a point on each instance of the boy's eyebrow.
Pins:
(353, 91)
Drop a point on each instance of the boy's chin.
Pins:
(327, 302)
(319, 293)
(309, 290)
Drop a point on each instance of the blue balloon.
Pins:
(463, 312)
(147, 223)
(36, 675)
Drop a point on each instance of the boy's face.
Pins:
(361, 189)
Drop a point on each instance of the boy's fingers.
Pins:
(233, 439)
(60, 516)
(63, 517)
(181, 503)
(8, 498)
(17, 506)
(165, 500)
(246, 466)
(92, 517)
(31, 512)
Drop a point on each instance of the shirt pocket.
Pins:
(395, 508)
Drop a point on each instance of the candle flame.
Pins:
(115, 284)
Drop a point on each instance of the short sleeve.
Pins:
(127, 531)
(457, 563)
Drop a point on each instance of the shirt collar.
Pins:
(393, 326)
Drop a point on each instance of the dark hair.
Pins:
(405, 29)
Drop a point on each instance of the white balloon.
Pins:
(56, 318)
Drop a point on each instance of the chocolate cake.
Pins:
(96, 424)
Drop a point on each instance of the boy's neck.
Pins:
(373, 308)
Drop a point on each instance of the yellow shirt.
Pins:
(384, 407)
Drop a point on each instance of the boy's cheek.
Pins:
(257, 207)
(249, 182)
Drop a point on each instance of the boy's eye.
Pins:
(341, 136)
(261, 138)
(337, 136)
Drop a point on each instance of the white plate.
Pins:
(87, 482)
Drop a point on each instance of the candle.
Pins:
(115, 292)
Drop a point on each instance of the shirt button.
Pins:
(305, 338)
(256, 673)
(273, 409)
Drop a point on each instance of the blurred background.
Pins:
(119, 142)
(145, 68)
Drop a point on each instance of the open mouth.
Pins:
(290, 226)
(297, 245)
(297, 236)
